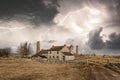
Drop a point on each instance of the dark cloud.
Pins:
(114, 42)
(95, 40)
(35, 10)
(113, 7)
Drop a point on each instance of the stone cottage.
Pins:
(62, 53)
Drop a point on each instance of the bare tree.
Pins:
(25, 49)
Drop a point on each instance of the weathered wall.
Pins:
(54, 53)
(65, 49)
(69, 57)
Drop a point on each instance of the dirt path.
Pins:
(102, 73)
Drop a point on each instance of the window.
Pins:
(57, 57)
(57, 52)
(53, 57)
(50, 57)
(50, 52)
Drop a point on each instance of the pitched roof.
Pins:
(69, 47)
(44, 51)
(56, 48)
(42, 56)
(67, 53)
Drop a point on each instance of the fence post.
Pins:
(87, 61)
(107, 61)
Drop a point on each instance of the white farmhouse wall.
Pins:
(69, 57)
(53, 53)
(60, 54)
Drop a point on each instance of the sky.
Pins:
(91, 24)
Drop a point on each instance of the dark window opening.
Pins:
(57, 52)
(57, 57)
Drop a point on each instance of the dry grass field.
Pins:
(99, 59)
(27, 69)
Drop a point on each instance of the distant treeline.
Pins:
(24, 49)
(5, 52)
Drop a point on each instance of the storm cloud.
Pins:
(35, 11)
(76, 22)
(114, 42)
(112, 7)
(95, 40)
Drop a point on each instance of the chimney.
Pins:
(52, 46)
(65, 45)
(77, 49)
(38, 46)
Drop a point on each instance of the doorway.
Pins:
(63, 58)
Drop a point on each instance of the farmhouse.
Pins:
(60, 53)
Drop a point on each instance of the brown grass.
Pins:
(100, 59)
(27, 69)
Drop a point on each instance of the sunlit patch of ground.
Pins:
(27, 69)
